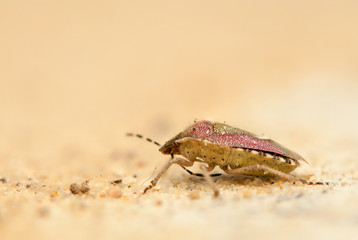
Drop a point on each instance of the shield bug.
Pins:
(234, 150)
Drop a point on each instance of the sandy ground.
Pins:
(75, 76)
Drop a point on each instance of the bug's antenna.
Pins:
(141, 136)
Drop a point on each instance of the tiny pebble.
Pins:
(116, 182)
(194, 195)
(114, 193)
(76, 189)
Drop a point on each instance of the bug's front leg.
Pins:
(179, 161)
(255, 168)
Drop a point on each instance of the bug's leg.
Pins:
(180, 161)
(255, 168)
(200, 174)
(210, 181)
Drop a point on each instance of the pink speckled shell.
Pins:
(244, 141)
(237, 138)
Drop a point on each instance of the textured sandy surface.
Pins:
(75, 77)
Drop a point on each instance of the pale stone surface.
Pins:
(76, 76)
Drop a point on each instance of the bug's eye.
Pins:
(194, 129)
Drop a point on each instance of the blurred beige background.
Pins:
(76, 75)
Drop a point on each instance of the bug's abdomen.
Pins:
(228, 157)
(245, 157)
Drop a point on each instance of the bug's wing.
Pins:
(286, 152)
(250, 141)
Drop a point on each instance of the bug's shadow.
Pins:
(234, 179)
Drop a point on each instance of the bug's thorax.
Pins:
(199, 130)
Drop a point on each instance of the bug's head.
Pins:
(199, 130)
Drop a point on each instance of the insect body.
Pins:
(234, 150)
